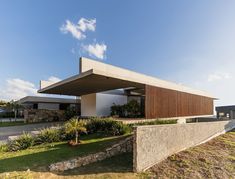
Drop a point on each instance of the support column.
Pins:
(181, 121)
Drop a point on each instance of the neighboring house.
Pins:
(49, 103)
(101, 85)
(225, 112)
(38, 108)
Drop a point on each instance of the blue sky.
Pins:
(187, 42)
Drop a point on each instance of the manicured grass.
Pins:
(119, 166)
(13, 123)
(21, 123)
(38, 158)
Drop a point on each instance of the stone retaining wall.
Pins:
(122, 146)
(43, 115)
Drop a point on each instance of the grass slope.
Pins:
(39, 157)
(119, 167)
(214, 159)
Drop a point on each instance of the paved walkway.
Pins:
(5, 132)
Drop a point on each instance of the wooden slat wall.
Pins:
(164, 103)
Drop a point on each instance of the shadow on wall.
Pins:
(230, 125)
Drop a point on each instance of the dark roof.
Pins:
(230, 107)
(39, 99)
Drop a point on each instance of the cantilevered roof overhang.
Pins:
(91, 81)
(110, 78)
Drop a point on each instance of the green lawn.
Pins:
(20, 123)
(116, 167)
(13, 123)
(38, 158)
(118, 163)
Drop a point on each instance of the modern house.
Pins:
(101, 85)
(48, 103)
(227, 112)
(37, 108)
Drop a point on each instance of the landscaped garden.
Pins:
(38, 158)
(75, 138)
(51, 144)
(119, 166)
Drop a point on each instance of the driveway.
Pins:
(5, 132)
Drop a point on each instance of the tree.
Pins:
(75, 126)
(13, 106)
(2, 103)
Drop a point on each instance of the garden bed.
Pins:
(37, 158)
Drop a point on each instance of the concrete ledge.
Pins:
(154, 143)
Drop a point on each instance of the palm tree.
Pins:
(75, 126)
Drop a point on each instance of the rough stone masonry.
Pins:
(121, 147)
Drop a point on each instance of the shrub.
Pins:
(7, 115)
(107, 126)
(65, 135)
(3, 147)
(23, 142)
(48, 135)
(156, 122)
(70, 112)
(117, 110)
(76, 127)
(131, 109)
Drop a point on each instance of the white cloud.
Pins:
(73, 29)
(86, 24)
(54, 79)
(218, 76)
(16, 88)
(78, 30)
(96, 50)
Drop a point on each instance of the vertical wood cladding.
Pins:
(164, 103)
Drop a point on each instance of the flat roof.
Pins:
(40, 99)
(225, 107)
(98, 77)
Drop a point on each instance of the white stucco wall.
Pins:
(88, 105)
(99, 104)
(49, 106)
(105, 101)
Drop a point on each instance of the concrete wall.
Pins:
(154, 143)
(105, 101)
(49, 106)
(88, 105)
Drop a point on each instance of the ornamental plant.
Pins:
(75, 126)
